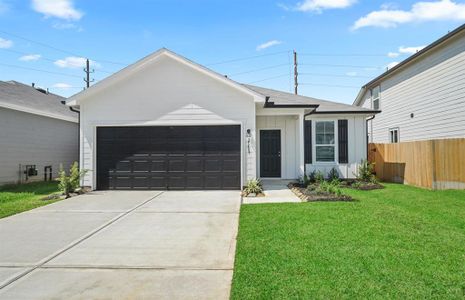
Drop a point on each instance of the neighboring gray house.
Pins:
(166, 122)
(36, 129)
(421, 98)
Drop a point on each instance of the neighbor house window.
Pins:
(375, 97)
(394, 135)
(325, 143)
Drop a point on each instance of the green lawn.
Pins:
(398, 243)
(18, 198)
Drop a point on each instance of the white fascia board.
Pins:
(38, 112)
(360, 95)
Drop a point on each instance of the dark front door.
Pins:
(270, 153)
(169, 157)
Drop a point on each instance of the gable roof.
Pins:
(322, 106)
(129, 70)
(18, 96)
(409, 60)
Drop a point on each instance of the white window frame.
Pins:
(335, 145)
(390, 135)
(376, 99)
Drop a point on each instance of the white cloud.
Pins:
(30, 57)
(73, 62)
(62, 9)
(319, 5)
(351, 74)
(420, 12)
(410, 50)
(392, 65)
(393, 54)
(268, 44)
(5, 44)
(62, 85)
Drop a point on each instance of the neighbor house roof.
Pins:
(18, 96)
(408, 61)
(284, 99)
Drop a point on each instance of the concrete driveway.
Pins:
(124, 245)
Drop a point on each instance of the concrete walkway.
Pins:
(157, 245)
(276, 191)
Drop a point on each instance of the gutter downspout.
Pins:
(303, 127)
(369, 119)
(79, 132)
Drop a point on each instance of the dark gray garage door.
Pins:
(174, 158)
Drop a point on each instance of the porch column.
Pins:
(301, 143)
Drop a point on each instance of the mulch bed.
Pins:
(309, 196)
(365, 186)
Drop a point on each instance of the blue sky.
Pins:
(341, 44)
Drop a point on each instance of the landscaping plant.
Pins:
(254, 186)
(333, 174)
(366, 172)
(68, 184)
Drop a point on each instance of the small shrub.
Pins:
(319, 177)
(254, 186)
(304, 180)
(327, 187)
(68, 184)
(365, 172)
(333, 175)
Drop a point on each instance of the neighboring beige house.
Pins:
(37, 132)
(423, 97)
(166, 122)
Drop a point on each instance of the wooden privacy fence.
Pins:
(434, 164)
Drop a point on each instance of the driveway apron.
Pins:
(138, 244)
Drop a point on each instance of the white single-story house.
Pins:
(37, 134)
(421, 98)
(166, 122)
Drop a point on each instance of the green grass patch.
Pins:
(397, 243)
(18, 198)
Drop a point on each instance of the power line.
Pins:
(59, 49)
(342, 54)
(39, 43)
(269, 78)
(258, 70)
(341, 66)
(331, 85)
(245, 58)
(39, 70)
(334, 75)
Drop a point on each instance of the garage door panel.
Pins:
(183, 157)
(176, 165)
(158, 182)
(194, 165)
(194, 182)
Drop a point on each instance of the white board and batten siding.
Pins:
(357, 145)
(166, 93)
(31, 139)
(432, 88)
(290, 151)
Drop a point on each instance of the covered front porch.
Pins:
(280, 149)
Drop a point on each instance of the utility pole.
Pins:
(88, 71)
(296, 74)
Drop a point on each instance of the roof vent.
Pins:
(41, 90)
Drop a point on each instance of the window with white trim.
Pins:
(325, 143)
(375, 97)
(394, 135)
